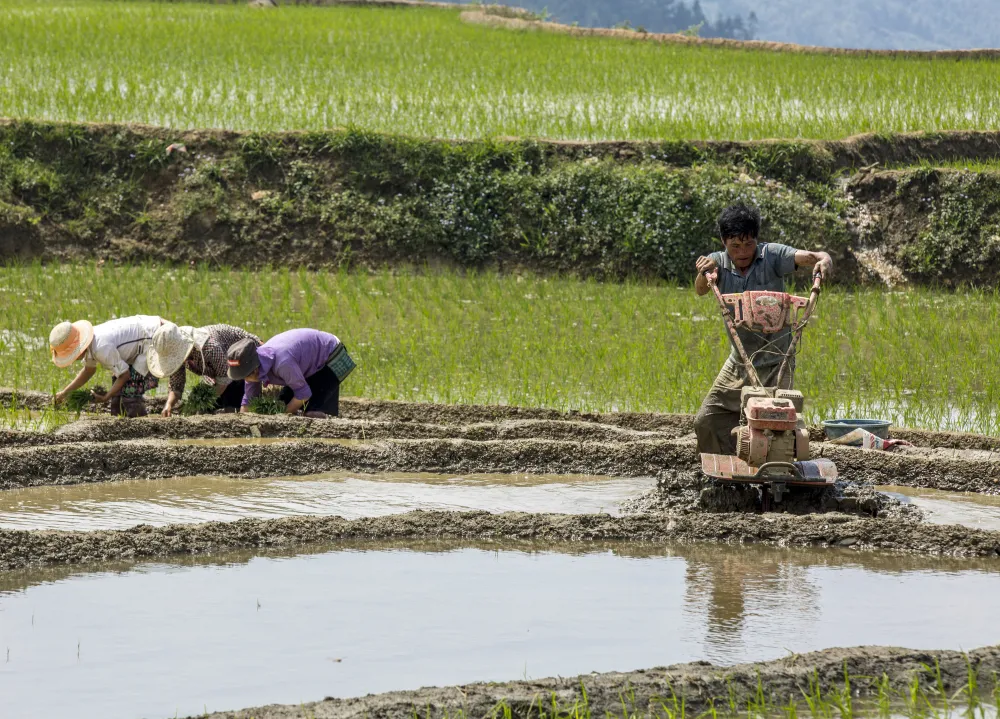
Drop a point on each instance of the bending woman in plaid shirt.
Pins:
(175, 350)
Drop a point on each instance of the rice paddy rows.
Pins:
(912, 357)
(422, 71)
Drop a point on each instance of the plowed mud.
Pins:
(408, 437)
(690, 491)
(545, 446)
(396, 412)
(236, 426)
(26, 548)
(964, 471)
(99, 462)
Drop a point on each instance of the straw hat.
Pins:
(68, 340)
(169, 349)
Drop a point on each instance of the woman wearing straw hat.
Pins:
(120, 347)
(175, 350)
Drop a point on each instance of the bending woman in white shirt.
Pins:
(120, 347)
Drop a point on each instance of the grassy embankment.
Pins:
(444, 337)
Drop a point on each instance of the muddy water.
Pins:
(981, 511)
(160, 640)
(118, 505)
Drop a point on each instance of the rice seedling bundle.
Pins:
(422, 71)
(265, 404)
(200, 399)
(79, 399)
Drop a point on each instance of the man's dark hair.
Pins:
(739, 220)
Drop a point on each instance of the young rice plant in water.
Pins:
(202, 65)
(913, 357)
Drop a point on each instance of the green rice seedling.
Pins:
(672, 706)
(200, 399)
(265, 404)
(915, 701)
(884, 697)
(819, 707)
(27, 420)
(79, 399)
(912, 357)
(969, 695)
(760, 704)
(209, 65)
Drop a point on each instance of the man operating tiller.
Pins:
(747, 265)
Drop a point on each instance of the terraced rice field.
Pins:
(168, 567)
(422, 71)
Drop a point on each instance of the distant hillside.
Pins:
(889, 24)
(885, 24)
(651, 15)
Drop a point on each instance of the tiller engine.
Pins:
(772, 441)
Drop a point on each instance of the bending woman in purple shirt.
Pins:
(297, 360)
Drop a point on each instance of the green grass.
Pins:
(917, 357)
(423, 72)
(977, 166)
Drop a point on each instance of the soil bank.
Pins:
(399, 414)
(640, 692)
(26, 548)
(77, 462)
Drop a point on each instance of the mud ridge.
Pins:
(15, 580)
(431, 413)
(27, 548)
(234, 426)
(641, 691)
(77, 462)
(914, 470)
(101, 462)
(375, 410)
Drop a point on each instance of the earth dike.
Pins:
(409, 437)
(647, 692)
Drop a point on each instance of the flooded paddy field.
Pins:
(391, 457)
(966, 508)
(261, 560)
(158, 502)
(241, 629)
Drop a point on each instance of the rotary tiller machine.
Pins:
(772, 441)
